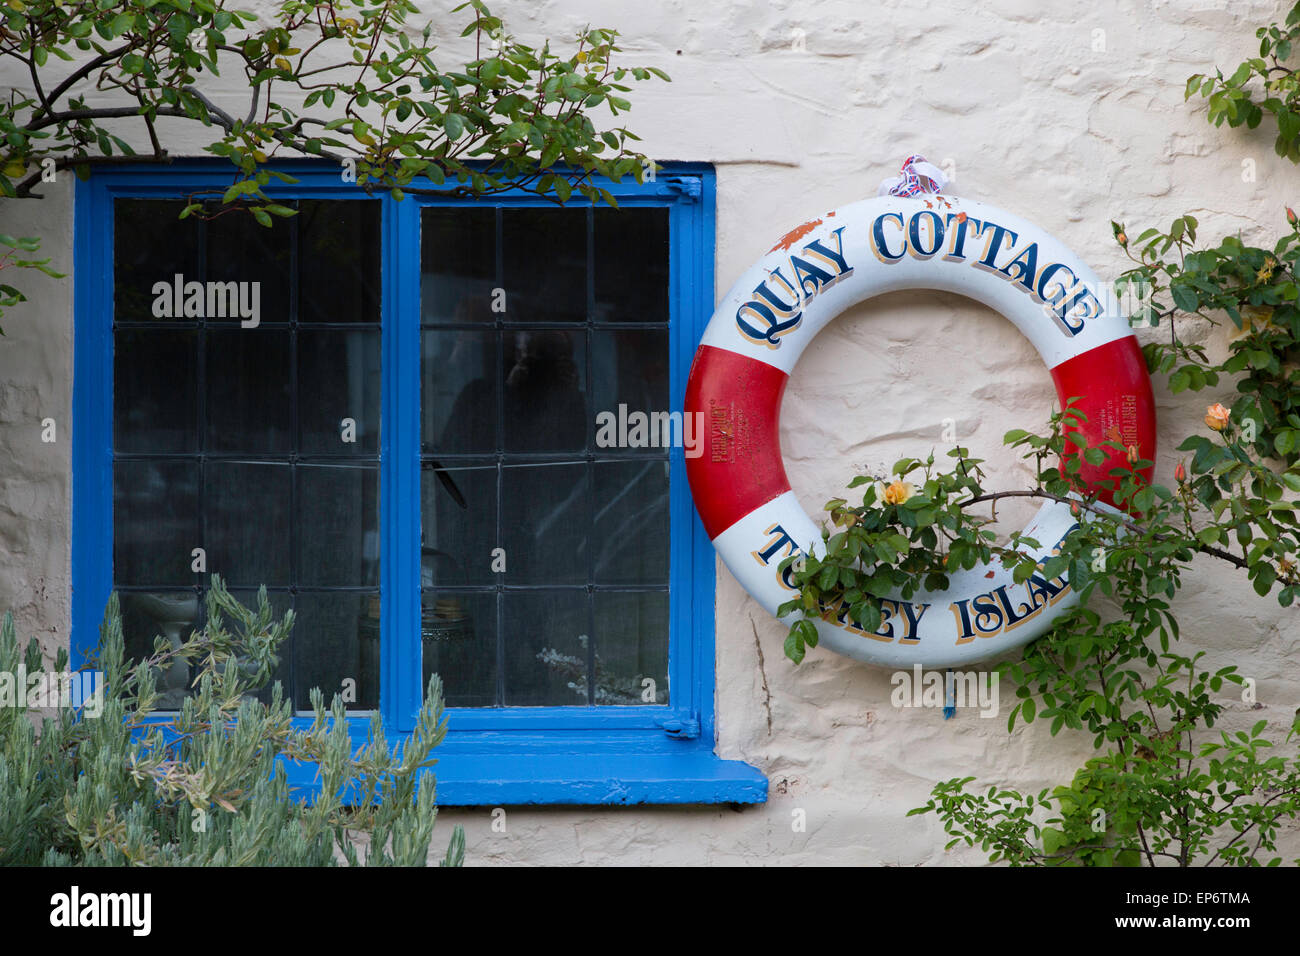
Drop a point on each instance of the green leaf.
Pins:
(1184, 296)
(121, 23)
(1264, 576)
(794, 648)
(1053, 840)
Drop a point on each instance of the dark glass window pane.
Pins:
(546, 647)
(240, 250)
(630, 648)
(338, 526)
(630, 249)
(339, 260)
(247, 515)
(545, 523)
(335, 640)
(545, 264)
(459, 509)
(248, 401)
(155, 522)
(458, 636)
(338, 378)
(631, 369)
(545, 405)
(150, 245)
(155, 390)
(460, 391)
(630, 522)
(458, 264)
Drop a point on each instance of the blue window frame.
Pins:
(498, 755)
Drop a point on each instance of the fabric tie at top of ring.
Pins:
(918, 176)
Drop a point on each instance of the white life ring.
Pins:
(815, 272)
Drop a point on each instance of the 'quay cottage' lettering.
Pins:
(776, 306)
(1063, 295)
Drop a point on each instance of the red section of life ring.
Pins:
(1115, 395)
(740, 467)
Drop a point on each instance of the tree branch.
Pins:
(85, 70)
(23, 189)
(101, 112)
(227, 122)
(1126, 522)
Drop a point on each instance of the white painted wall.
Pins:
(1068, 114)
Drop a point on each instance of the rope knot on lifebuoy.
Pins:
(918, 176)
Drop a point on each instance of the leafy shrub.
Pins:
(114, 782)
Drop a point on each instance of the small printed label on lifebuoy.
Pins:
(730, 437)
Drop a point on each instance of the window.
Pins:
(386, 413)
(519, 350)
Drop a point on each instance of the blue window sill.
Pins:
(693, 775)
(580, 771)
(556, 768)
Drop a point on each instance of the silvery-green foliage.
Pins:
(207, 785)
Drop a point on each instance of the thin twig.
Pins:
(1126, 522)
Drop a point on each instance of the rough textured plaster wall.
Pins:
(35, 378)
(1069, 114)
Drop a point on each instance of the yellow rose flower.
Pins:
(1252, 317)
(898, 492)
(1216, 417)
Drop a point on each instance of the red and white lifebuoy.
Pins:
(815, 272)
